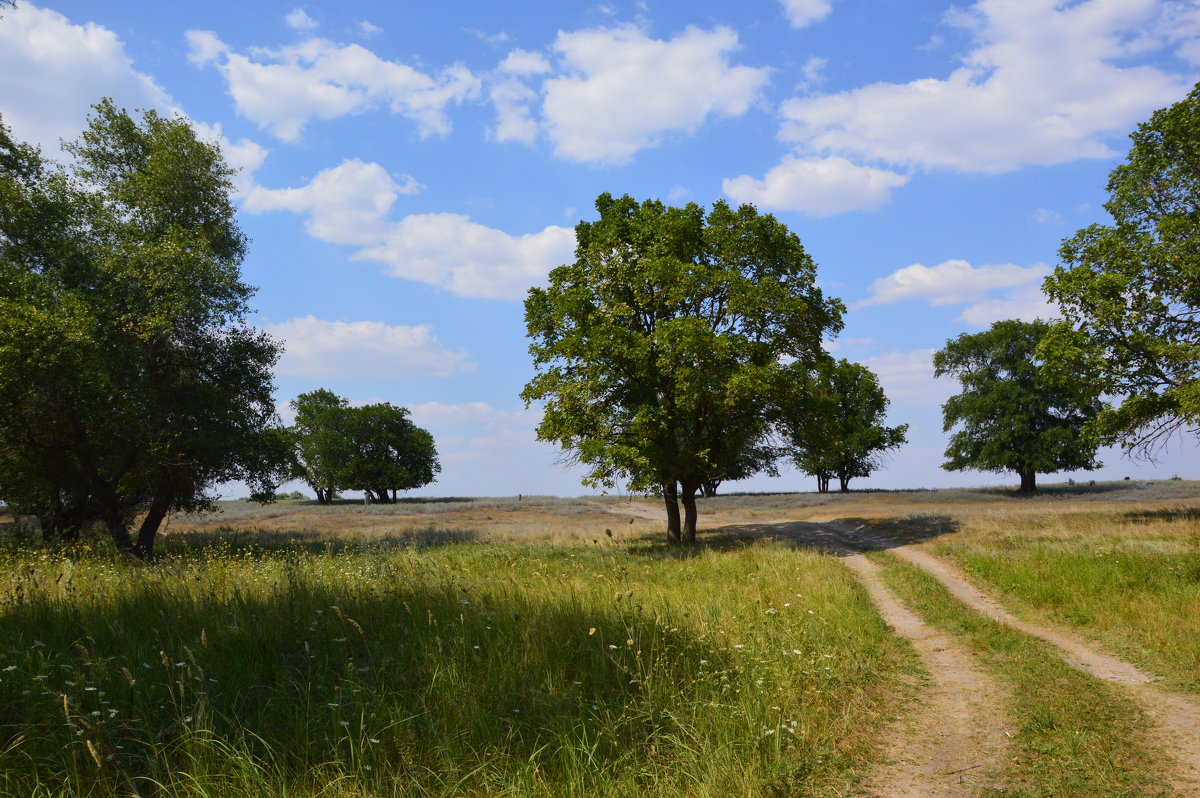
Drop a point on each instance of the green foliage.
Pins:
(375, 448)
(658, 349)
(129, 381)
(1014, 415)
(833, 420)
(1131, 290)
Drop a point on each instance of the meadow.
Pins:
(544, 646)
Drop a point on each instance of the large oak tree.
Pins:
(1015, 415)
(1131, 290)
(129, 381)
(658, 350)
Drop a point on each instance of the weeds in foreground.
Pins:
(454, 670)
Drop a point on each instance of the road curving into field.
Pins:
(1174, 716)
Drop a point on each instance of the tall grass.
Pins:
(1139, 596)
(370, 670)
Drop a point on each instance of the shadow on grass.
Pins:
(421, 679)
(1169, 514)
(308, 541)
(840, 538)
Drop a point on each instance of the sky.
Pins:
(410, 170)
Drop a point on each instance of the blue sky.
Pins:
(410, 170)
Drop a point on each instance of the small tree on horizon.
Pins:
(1014, 414)
(833, 423)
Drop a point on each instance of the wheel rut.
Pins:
(1174, 716)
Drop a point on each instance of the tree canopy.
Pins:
(1015, 415)
(833, 422)
(658, 349)
(374, 448)
(1131, 290)
(129, 381)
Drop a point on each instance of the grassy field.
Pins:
(347, 669)
(544, 647)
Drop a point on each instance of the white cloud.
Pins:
(1046, 216)
(51, 71)
(514, 118)
(204, 47)
(907, 377)
(452, 252)
(281, 90)
(1026, 303)
(367, 29)
(363, 349)
(1046, 83)
(950, 282)
(623, 91)
(351, 204)
(816, 186)
(347, 204)
(524, 63)
(677, 192)
(298, 19)
(802, 13)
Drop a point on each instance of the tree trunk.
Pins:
(1028, 480)
(843, 484)
(143, 549)
(688, 498)
(822, 483)
(671, 499)
(708, 488)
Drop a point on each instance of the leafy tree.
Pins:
(375, 448)
(388, 452)
(320, 441)
(1015, 415)
(129, 381)
(1131, 290)
(658, 349)
(834, 423)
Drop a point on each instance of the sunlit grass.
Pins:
(231, 668)
(1129, 579)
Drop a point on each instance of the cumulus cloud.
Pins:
(363, 349)
(1046, 82)
(469, 259)
(622, 91)
(63, 69)
(347, 204)
(950, 282)
(367, 29)
(1026, 303)
(298, 19)
(802, 13)
(816, 186)
(282, 90)
(351, 204)
(907, 377)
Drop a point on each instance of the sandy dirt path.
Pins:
(1176, 717)
(952, 745)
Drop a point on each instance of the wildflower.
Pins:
(374, 740)
(14, 667)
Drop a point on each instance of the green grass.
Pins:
(463, 669)
(1139, 596)
(1073, 735)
